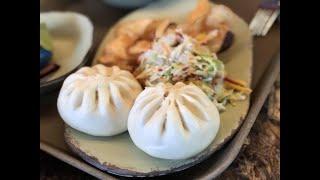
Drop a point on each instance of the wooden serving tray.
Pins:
(265, 70)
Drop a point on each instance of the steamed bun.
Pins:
(97, 100)
(173, 121)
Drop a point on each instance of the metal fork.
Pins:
(265, 18)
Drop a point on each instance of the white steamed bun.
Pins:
(97, 100)
(173, 121)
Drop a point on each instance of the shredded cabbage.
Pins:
(189, 62)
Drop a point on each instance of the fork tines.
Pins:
(264, 18)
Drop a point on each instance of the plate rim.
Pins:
(86, 59)
(203, 155)
(113, 169)
(53, 84)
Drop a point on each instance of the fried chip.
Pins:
(218, 15)
(196, 20)
(135, 29)
(140, 47)
(162, 27)
(117, 52)
(149, 33)
(204, 38)
(119, 46)
(200, 12)
(206, 23)
(217, 41)
(111, 60)
(127, 34)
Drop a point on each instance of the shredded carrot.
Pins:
(234, 81)
(201, 37)
(237, 87)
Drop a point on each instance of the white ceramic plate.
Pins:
(118, 154)
(127, 4)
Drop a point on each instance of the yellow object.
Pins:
(237, 87)
(201, 37)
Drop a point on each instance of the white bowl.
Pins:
(128, 4)
(72, 35)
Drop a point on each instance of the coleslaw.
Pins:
(177, 57)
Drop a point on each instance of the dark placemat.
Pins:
(52, 168)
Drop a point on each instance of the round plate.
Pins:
(72, 40)
(127, 4)
(118, 155)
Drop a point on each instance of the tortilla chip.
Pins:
(161, 28)
(140, 47)
(217, 41)
(196, 20)
(119, 46)
(218, 15)
(134, 29)
(112, 60)
(149, 33)
(201, 11)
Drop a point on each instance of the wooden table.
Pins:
(260, 156)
